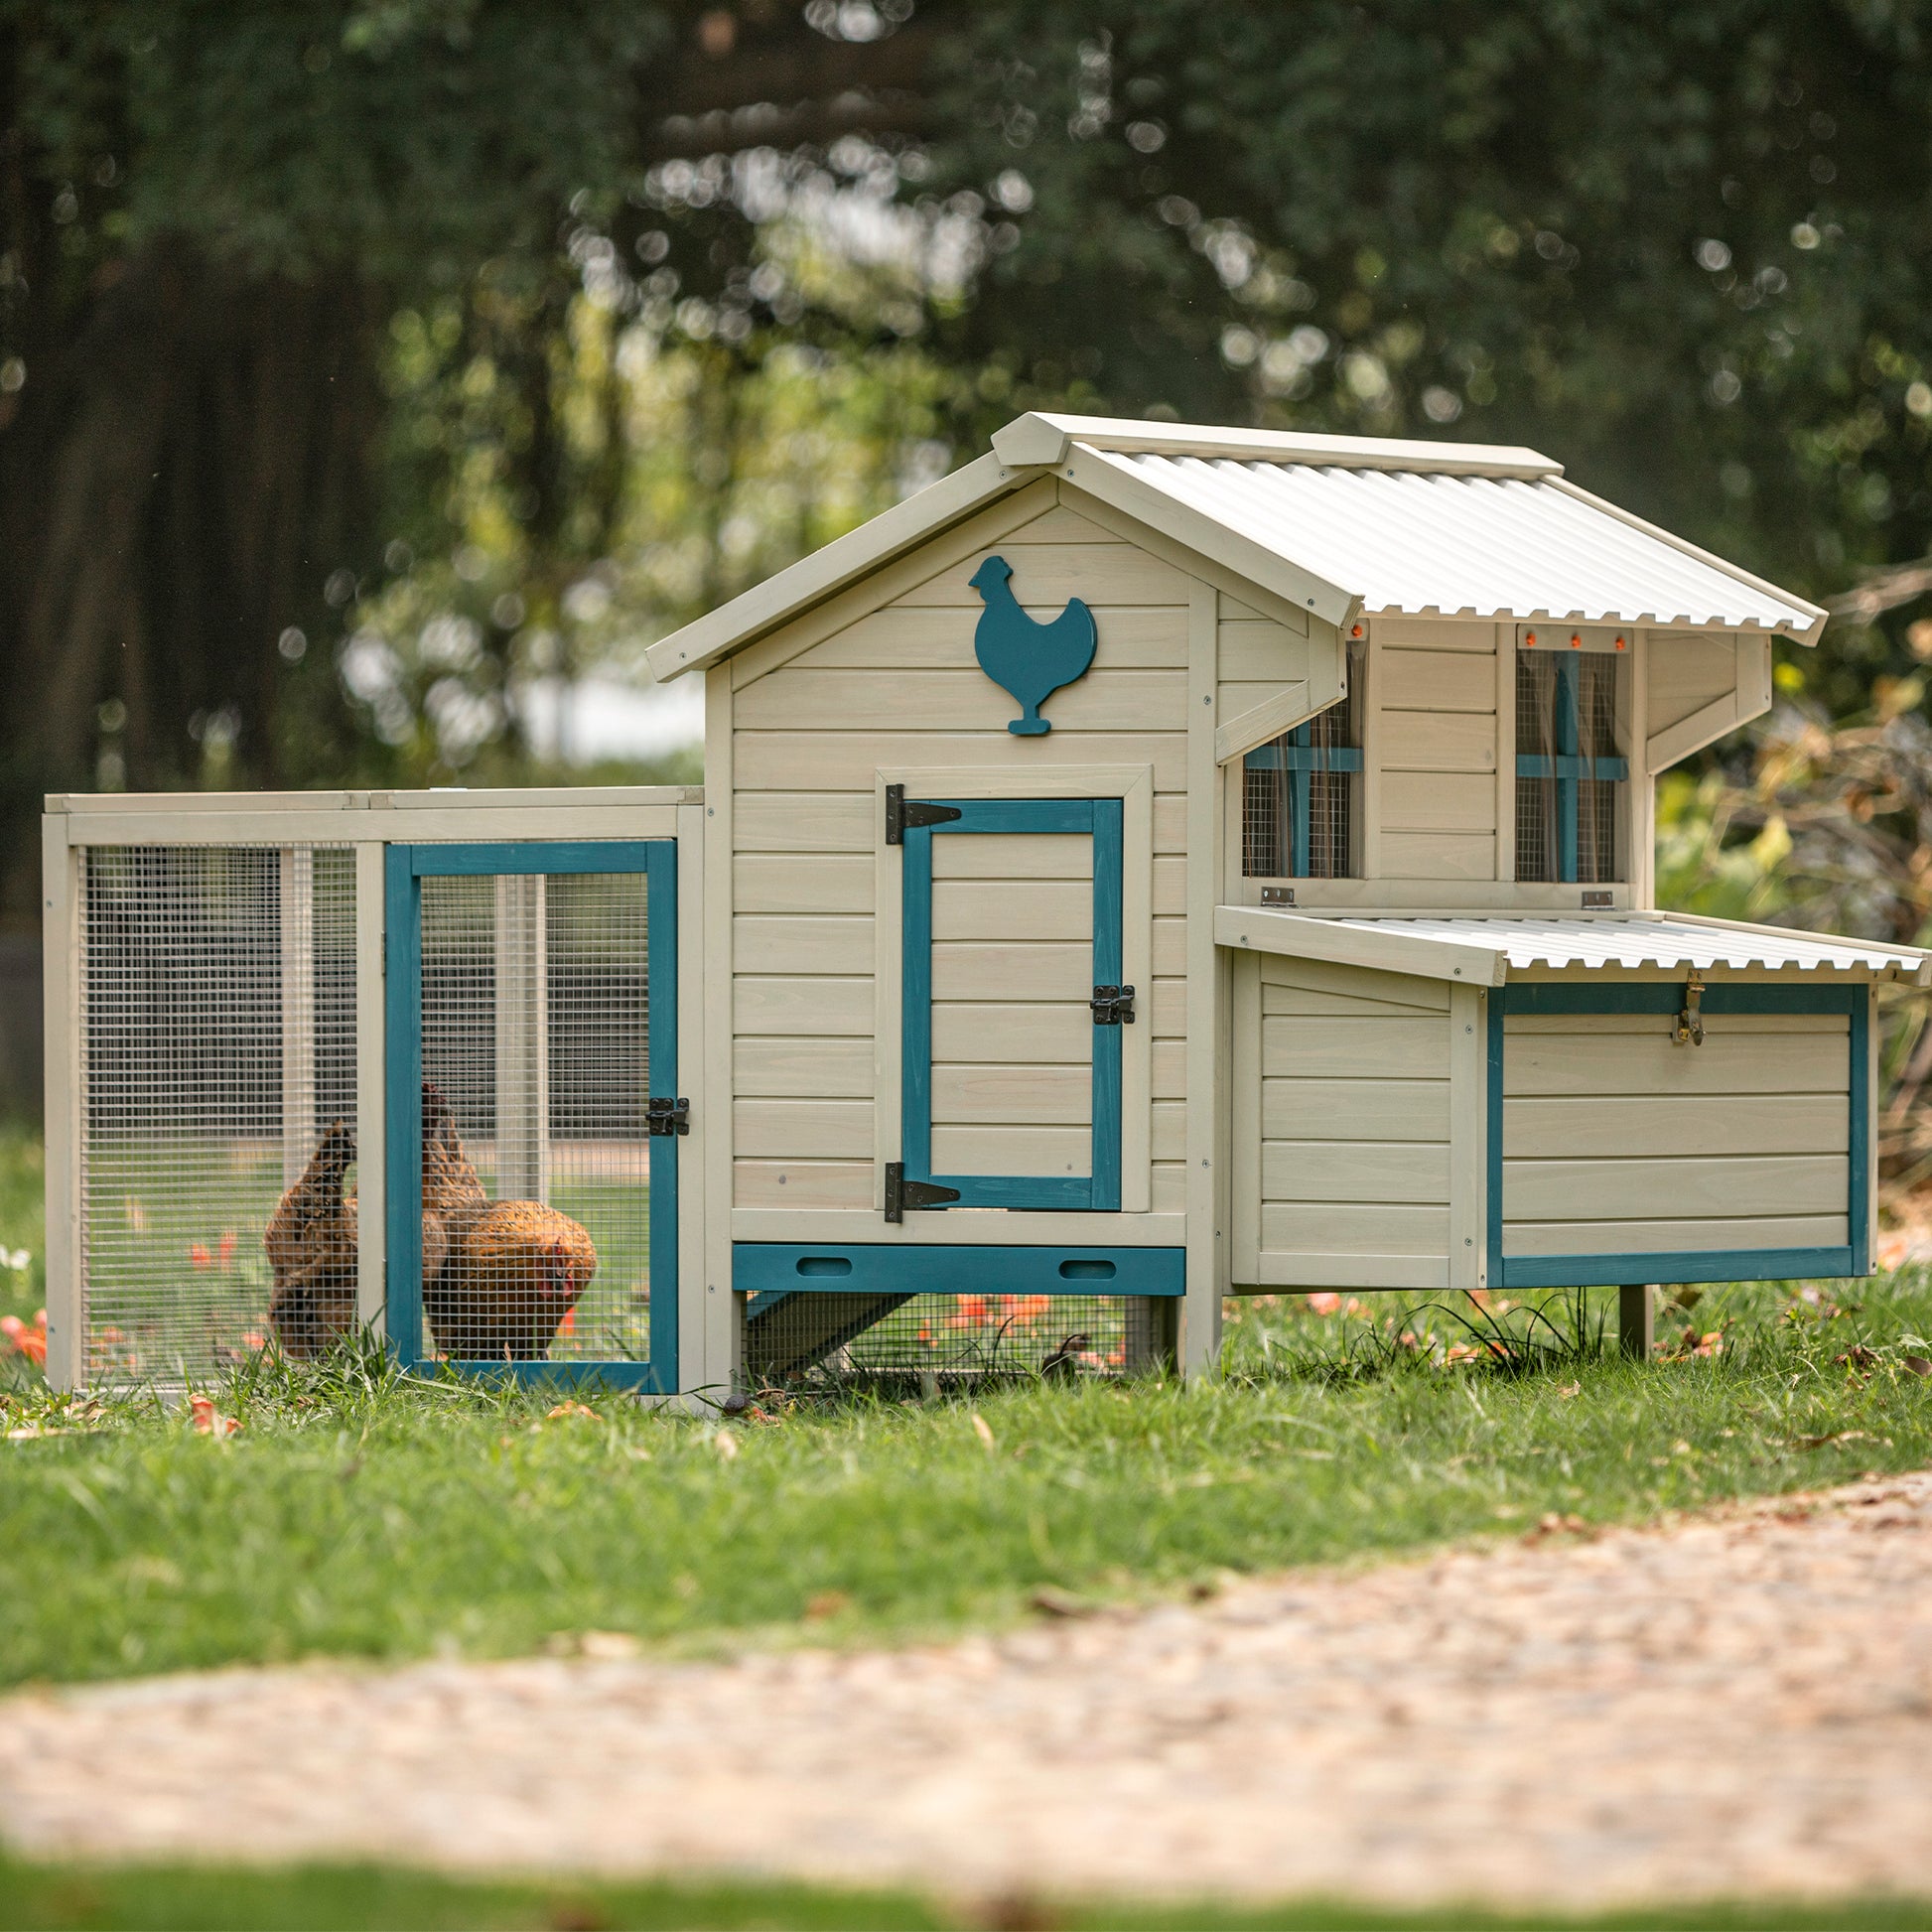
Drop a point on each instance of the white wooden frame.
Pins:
(367, 822)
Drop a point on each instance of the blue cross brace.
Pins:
(1299, 759)
(1566, 768)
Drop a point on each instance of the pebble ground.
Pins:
(1735, 1705)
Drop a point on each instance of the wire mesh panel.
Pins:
(537, 1031)
(218, 1105)
(1568, 768)
(953, 1339)
(1300, 799)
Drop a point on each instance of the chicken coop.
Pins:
(1149, 865)
(397, 1064)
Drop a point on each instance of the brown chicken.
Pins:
(311, 1245)
(513, 1269)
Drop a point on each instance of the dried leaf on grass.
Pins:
(209, 1421)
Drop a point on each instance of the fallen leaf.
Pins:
(209, 1421)
(983, 1431)
(570, 1409)
(725, 1443)
(1917, 1364)
(1855, 1357)
(1049, 1602)
(1569, 1389)
(828, 1602)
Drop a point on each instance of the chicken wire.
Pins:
(536, 1167)
(826, 1339)
(1541, 730)
(218, 1054)
(1270, 801)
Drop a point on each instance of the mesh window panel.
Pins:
(951, 1339)
(218, 1105)
(1267, 807)
(1596, 798)
(1536, 798)
(536, 1151)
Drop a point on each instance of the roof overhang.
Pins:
(1485, 951)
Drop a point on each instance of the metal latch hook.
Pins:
(1689, 1029)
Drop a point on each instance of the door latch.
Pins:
(1688, 1027)
(1113, 1006)
(667, 1116)
(902, 812)
(901, 1194)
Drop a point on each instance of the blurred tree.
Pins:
(343, 318)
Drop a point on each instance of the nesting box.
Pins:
(1151, 864)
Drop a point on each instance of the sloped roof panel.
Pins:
(1442, 544)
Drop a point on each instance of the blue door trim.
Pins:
(1663, 999)
(1101, 819)
(773, 1267)
(405, 867)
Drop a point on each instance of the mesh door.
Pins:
(218, 1105)
(536, 1151)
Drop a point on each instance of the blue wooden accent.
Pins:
(1299, 759)
(405, 867)
(530, 856)
(1533, 764)
(763, 1268)
(1028, 659)
(1665, 997)
(1100, 820)
(402, 1004)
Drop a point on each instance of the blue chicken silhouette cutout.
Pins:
(1027, 658)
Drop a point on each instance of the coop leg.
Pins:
(1636, 1321)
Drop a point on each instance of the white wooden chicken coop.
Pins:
(1151, 864)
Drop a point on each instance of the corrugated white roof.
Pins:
(1442, 542)
(1651, 940)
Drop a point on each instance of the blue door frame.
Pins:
(1666, 998)
(405, 868)
(1097, 818)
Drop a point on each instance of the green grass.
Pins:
(366, 1515)
(320, 1898)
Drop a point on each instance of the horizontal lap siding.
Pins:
(1686, 674)
(1618, 1140)
(1434, 744)
(899, 686)
(1354, 1121)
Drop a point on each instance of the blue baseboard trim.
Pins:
(1719, 1265)
(772, 1267)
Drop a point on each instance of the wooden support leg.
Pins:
(1636, 1321)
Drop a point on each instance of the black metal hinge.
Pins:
(667, 1116)
(901, 1194)
(1113, 1006)
(902, 812)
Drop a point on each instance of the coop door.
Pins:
(533, 1117)
(1012, 1005)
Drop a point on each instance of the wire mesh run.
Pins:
(1275, 794)
(954, 1341)
(1565, 716)
(218, 1105)
(536, 1156)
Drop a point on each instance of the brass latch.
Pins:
(1689, 1029)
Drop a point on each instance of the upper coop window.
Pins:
(1570, 774)
(1302, 799)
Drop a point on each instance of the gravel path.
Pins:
(1740, 1704)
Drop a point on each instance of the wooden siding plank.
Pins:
(1166, 1009)
(802, 1068)
(795, 1004)
(1365, 1050)
(801, 943)
(1436, 681)
(982, 1095)
(1041, 855)
(898, 638)
(1168, 1138)
(966, 699)
(1043, 1033)
(1363, 1110)
(806, 821)
(1686, 674)
(1706, 1236)
(1305, 1227)
(1727, 1064)
(1436, 634)
(802, 1184)
(1304, 1003)
(1047, 574)
(1438, 801)
(1008, 1149)
(1255, 652)
(1012, 911)
(1427, 741)
(1170, 1070)
(1749, 1185)
(794, 882)
(1437, 855)
(1372, 985)
(1415, 1171)
(786, 761)
(803, 1129)
(1676, 1123)
(1060, 970)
